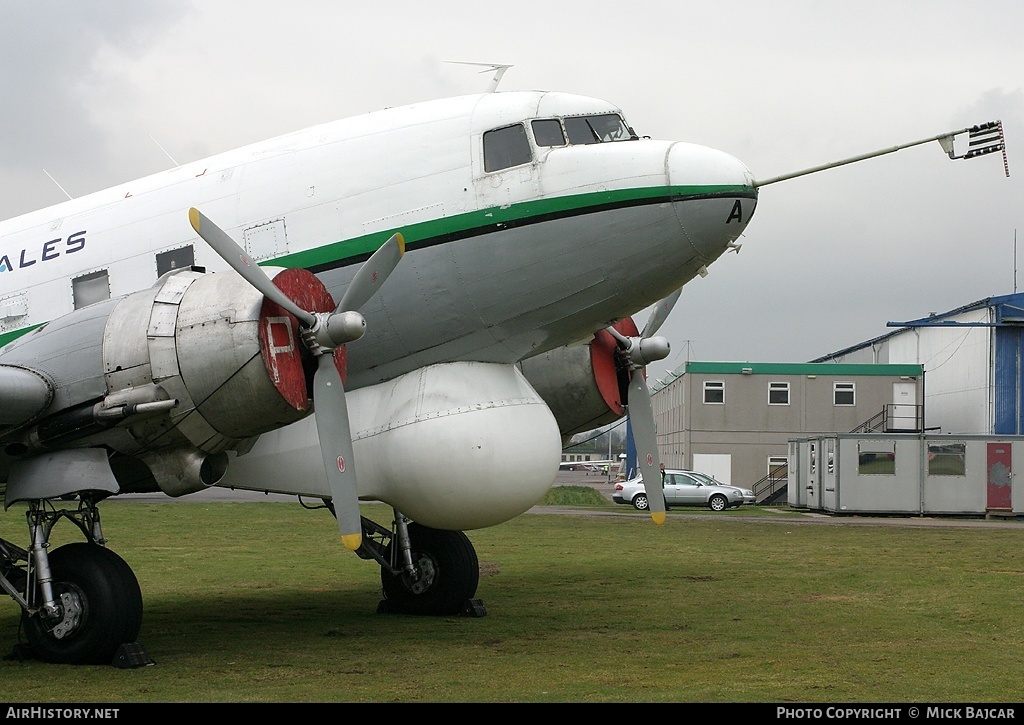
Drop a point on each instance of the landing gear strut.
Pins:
(79, 603)
(423, 571)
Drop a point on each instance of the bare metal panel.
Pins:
(68, 350)
(57, 473)
(125, 348)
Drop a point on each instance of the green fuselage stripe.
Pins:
(483, 221)
(7, 337)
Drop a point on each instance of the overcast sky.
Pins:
(92, 91)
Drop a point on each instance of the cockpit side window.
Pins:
(548, 132)
(505, 147)
(597, 129)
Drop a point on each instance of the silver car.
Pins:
(682, 488)
(748, 494)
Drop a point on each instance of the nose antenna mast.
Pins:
(498, 68)
(985, 138)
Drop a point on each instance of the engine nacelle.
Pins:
(585, 386)
(173, 376)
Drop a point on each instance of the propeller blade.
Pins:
(641, 419)
(239, 261)
(372, 274)
(333, 429)
(660, 313)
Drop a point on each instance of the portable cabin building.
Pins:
(734, 420)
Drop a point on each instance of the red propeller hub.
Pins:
(287, 359)
(612, 378)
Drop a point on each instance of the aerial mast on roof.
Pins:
(498, 68)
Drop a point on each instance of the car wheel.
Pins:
(640, 502)
(718, 503)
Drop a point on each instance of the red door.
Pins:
(1000, 476)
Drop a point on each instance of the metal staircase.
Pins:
(771, 490)
(893, 418)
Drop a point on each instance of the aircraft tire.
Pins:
(105, 589)
(451, 573)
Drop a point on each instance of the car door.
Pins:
(671, 490)
(689, 490)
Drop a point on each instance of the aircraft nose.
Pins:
(694, 164)
(717, 193)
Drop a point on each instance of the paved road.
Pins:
(217, 494)
(210, 495)
(602, 484)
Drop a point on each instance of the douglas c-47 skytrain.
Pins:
(384, 308)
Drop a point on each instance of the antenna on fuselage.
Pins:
(499, 69)
(70, 198)
(176, 164)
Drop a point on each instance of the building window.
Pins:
(714, 392)
(506, 147)
(778, 393)
(90, 289)
(844, 393)
(876, 458)
(947, 459)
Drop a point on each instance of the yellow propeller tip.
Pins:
(193, 218)
(352, 541)
(658, 518)
(401, 243)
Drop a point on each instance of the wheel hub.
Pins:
(71, 608)
(423, 579)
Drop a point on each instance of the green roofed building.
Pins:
(734, 420)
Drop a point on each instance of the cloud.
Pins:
(828, 258)
(49, 51)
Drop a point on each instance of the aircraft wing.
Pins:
(584, 465)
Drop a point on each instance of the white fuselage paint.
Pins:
(501, 265)
(434, 443)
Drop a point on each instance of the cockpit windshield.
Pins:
(597, 129)
(509, 146)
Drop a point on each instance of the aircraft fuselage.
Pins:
(502, 263)
(531, 220)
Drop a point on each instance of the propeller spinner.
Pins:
(322, 332)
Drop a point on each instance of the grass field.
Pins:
(258, 602)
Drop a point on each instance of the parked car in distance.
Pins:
(748, 494)
(684, 488)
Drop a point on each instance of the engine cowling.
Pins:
(585, 386)
(172, 377)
